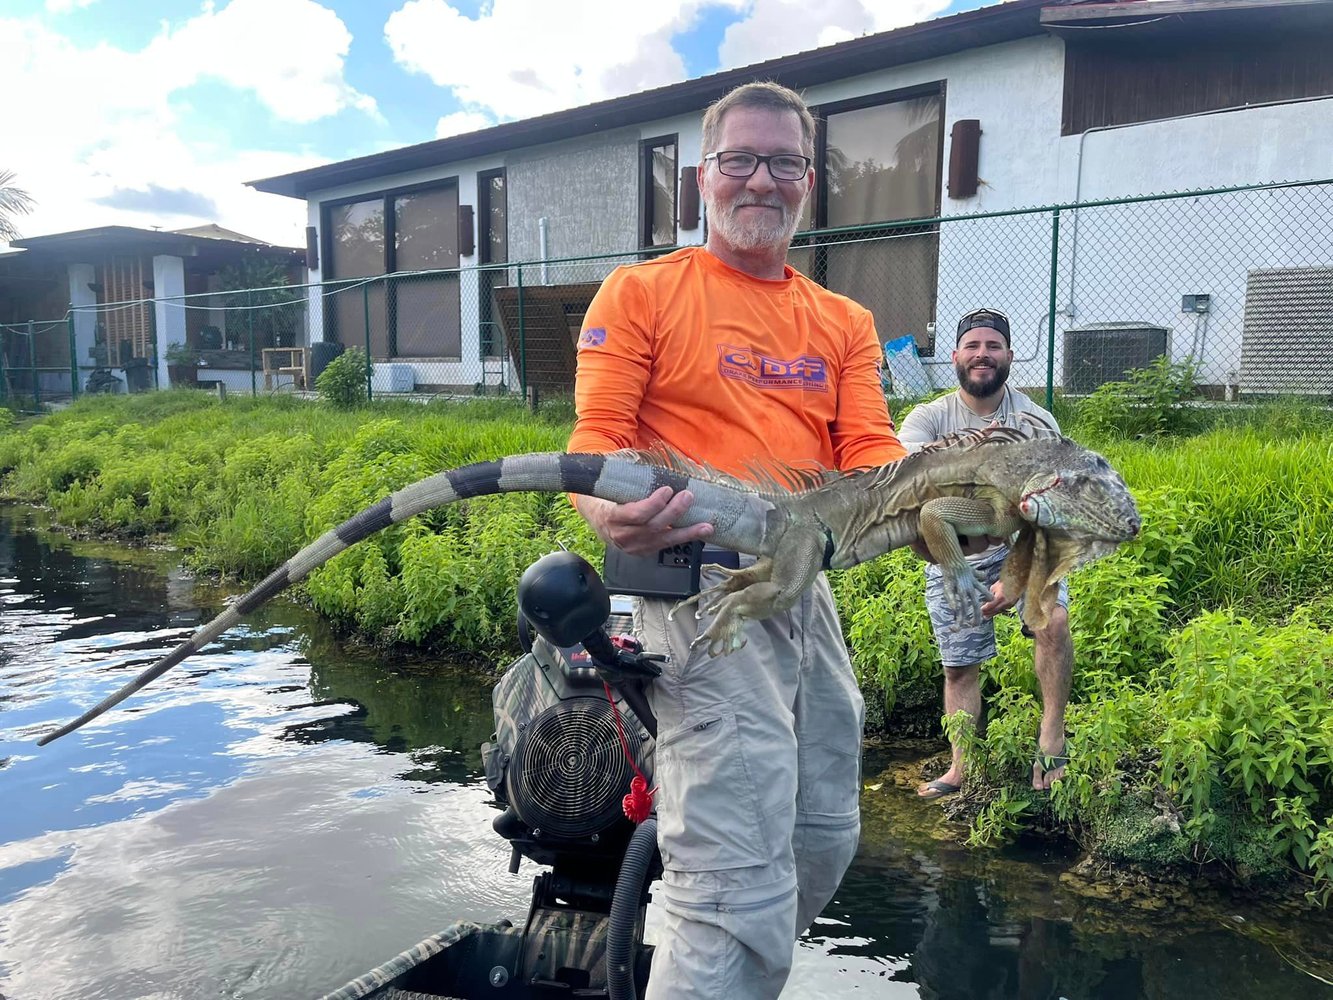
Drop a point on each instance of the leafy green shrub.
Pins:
(180, 353)
(1152, 401)
(1195, 734)
(1118, 610)
(1248, 723)
(342, 383)
(883, 608)
(1000, 819)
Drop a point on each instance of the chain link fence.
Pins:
(35, 364)
(1238, 283)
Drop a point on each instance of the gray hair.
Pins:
(761, 94)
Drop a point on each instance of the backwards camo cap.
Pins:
(992, 318)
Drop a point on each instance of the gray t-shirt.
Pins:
(949, 415)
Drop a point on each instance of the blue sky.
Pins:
(155, 112)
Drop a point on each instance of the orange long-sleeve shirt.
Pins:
(730, 370)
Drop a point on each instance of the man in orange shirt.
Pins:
(728, 356)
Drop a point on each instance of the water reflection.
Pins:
(283, 812)
(440, 717)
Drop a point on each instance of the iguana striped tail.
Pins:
(612, 477)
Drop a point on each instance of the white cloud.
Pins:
(289, 52)
(774, 28)
(118, 131)
(461, 122)
(523, 58)
(116, 155)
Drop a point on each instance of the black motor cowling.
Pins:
(558, 761)
(568, 772)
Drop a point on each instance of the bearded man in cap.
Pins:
(981, 358)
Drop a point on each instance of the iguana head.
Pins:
(1079, 494)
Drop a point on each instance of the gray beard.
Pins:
(754, 234)
(984, 383)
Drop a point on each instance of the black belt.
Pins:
(721, 557)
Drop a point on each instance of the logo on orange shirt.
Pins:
(594, 336)
(762, 372)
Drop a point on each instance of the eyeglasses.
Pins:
(781, 166)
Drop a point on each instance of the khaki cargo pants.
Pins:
(758, 767)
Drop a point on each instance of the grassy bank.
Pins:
(242, 484)
(1204, 668)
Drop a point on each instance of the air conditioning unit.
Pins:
(1287, 313)
(1095, 355)
(392, 377)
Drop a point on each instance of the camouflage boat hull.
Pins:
(468, 960)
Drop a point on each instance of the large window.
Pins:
(657, 192)
(407, 230)
(354, 232)
(492, 248)
(424, 314)
(879, 160)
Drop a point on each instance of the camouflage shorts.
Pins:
(970, 644)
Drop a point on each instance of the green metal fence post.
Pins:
(522, 341)
(365, 309)
(250, 327)
(32, 368)
(73, 357)
(1050, 314)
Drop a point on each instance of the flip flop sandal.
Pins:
(938, 789)
(1052, 761)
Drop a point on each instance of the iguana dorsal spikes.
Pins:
(809, 520)
(762, 479)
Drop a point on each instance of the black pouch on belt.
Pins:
(671, 573)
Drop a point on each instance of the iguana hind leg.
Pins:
(771, 585)
(743, 593)
(733, 580)
(726, 633)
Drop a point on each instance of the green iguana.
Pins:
(1062, 503)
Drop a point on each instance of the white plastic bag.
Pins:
(905, 375)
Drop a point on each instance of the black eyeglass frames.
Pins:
(781, 166)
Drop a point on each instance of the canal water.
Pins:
(283, 812)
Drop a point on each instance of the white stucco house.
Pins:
(938, 133)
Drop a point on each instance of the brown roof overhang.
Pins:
(128, 239)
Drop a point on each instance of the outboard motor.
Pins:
(560, 763)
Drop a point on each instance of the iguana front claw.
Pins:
(727, 632)
(693, 599)
(966, 592)
(683, 603)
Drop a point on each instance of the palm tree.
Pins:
(13, 201)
